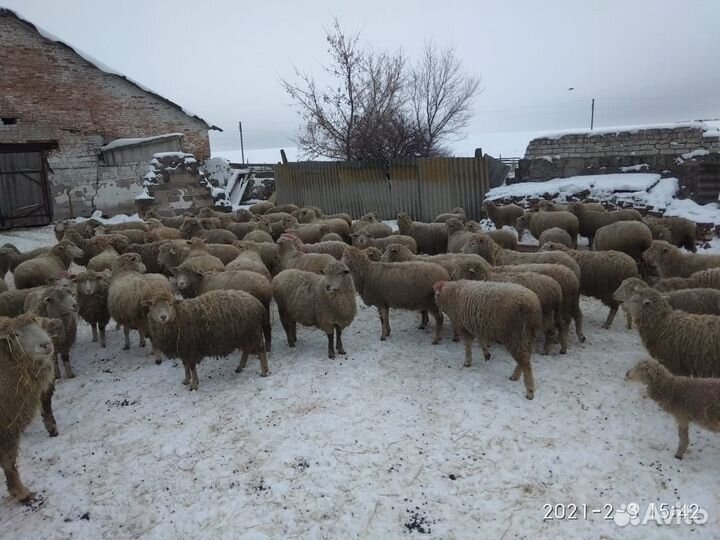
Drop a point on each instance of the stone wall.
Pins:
(54, 95)
(178, 186)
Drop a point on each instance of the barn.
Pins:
(76, 136)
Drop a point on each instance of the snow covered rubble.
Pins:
(395, 440)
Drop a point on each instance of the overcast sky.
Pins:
(645, 61)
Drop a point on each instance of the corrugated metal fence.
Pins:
(422, 188)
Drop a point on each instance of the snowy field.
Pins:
(395, 440)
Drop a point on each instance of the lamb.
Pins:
(537, 222)
(682, 230)
(371, 223)
(504, 312)
(192, 227)
(92, 290)
(687, 399)
(291, 257)
(38, 271)
(324, 301)
(157, 231)
(590, 221)
(703, 279)
(431, 238)
(456, 234)
(699, 301)
(630, 237)
(129, 286)
(192, 283)
(502, 215)
(457, 213)
(601, 273)
(10, 257)
(57, 303)
(405, 285)
(26, 352)
(685, 343)
(251, 261)
(670, 261)
(557, 235)
(214, 324)
(364, 240)
(481, 244)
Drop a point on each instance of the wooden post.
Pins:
(283, 156)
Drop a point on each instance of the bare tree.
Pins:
(441, 97)
(373, 108)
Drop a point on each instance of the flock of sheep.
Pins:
(199, 286)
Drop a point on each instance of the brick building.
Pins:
(58, 108)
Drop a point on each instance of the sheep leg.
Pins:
(287, 326)
(47, 412)
(186, 365)
(523, 367)
(468, 340)
(56, 366)
(382, 313)
(424, 319)
(578, 318)
(156, 353)
(101, 331)
(331, 345)
(193, 376)
(264, 368)
(549, 335)
(563, 329)
(69, 374)
(126, 332)
(338, 340)
(12, 476)
(267, 331)
(628, 320)
(142, 338)
(243, 361)
(93, 327)
(684, 439)
(611, 316)
(438, 316)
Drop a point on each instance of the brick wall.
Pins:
(58, 96)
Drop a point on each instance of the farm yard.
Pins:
(395, 439)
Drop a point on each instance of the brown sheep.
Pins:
(630, 237)
(504, 312)
(134, 236)
(537, 222)
(457, 235)
(703, 279)
(86, 229)
(371, 223)
(336, 225)
(590, 221)
(157, 231)
(92, 290)
(557, 235)
(431, 238)
(291, 257)
(457, 213)
(363, 240)
(670, 261)
(268, 253)
(38, 271)
(261, 207)
(214, 324)
(502, 215)
(10, 257)
(682, 230)
(324, 301)
(26, 352)
(688, 399)
(193, 227)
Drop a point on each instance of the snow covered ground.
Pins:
(395, 440)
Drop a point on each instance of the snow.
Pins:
(114, 220)
(395, 433)
(635, 168)
(696, 153)
(709, 213)
(179, 155)
(144, 194)
(710, 129)
(119, 143)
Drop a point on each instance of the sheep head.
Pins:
(161, 306)
(30, 335)
(658, 251)
(647, 371)
(337, 277)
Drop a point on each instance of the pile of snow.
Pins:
(144, 194)
(119, 143)
(218, 171)
(114, 220)
(711, 128)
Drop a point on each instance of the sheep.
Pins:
(371, 223)
(631, 237)
(699, 301)
(308, 233)
(251, 261)
(104, 259)
(324, 301)
(214, 324)
(504, 312)
(333, 247)
(682, 230)
(332, 237)
(670, 261)
(687, 399)
(601, 273)
(453, 263)
(129, 285)
(590, 221)
(258, 236)
(373, 254)
(134, 236)
(457, 236)
(225, 217)
(12, 302)
(703, 279)
(502, 215)
(504, 238)
(192, 227)
(320, 214)
(10, 257)
(173, 253)
(291, 257)
(150, 254)
(57, 303)
(38, 271)
(405, 285)
(363, 240)
(192, 283)
(537, 222)
(3, 286)
(158, 231)
(268, 252)
(658, 231)
(241, 229)
(457, 213)
(545, 205)
(685, 343)
(199, 258)
(261, 207)
(557, 235)
(336, 225)
(26, 385)
(481, 244)
(431, 238)
(93, 246)
(85, 229)
(92, 299)
(210, 223)
(285, 208)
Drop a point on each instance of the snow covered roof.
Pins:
(5, 12)
(711, 128)
(120, 143)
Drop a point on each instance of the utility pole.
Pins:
(592, 116)
(242, 146)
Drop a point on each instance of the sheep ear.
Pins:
(647, 301)
(48, 300)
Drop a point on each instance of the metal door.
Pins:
(24, 193)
